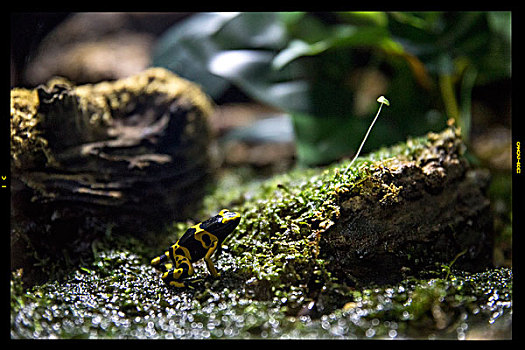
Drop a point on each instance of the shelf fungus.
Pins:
(127, 154)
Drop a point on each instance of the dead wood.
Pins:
(129, 154)
(411, 214)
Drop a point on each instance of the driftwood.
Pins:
(411, 214)
(131, 154)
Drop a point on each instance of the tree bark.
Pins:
(410, 214)
(130, 154)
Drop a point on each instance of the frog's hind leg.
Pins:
(160, 261)
(175, 276)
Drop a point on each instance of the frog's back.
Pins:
(194, 246)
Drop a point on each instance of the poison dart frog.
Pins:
(199, 241)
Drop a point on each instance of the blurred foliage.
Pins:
(314, 66)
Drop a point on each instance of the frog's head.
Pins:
(223, 223)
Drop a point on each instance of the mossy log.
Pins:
(409, 214)
(130, 154)
(412, 209)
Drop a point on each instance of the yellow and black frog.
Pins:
(199, 241)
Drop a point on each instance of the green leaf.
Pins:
(251, 71)
(308, 28)
(342, 36)
(365, 17)
(252, 30)
(186, 48)
(501, 23)
(291, 18)
(295, 49)
(467, 83)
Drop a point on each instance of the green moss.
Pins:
(273, 283)
(277, 242)
(28, 145)
(119, 296)
(93, 106)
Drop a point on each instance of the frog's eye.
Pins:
(229, 216)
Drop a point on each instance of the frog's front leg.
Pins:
(207, 258)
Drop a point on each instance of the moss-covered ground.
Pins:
(274, 282)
